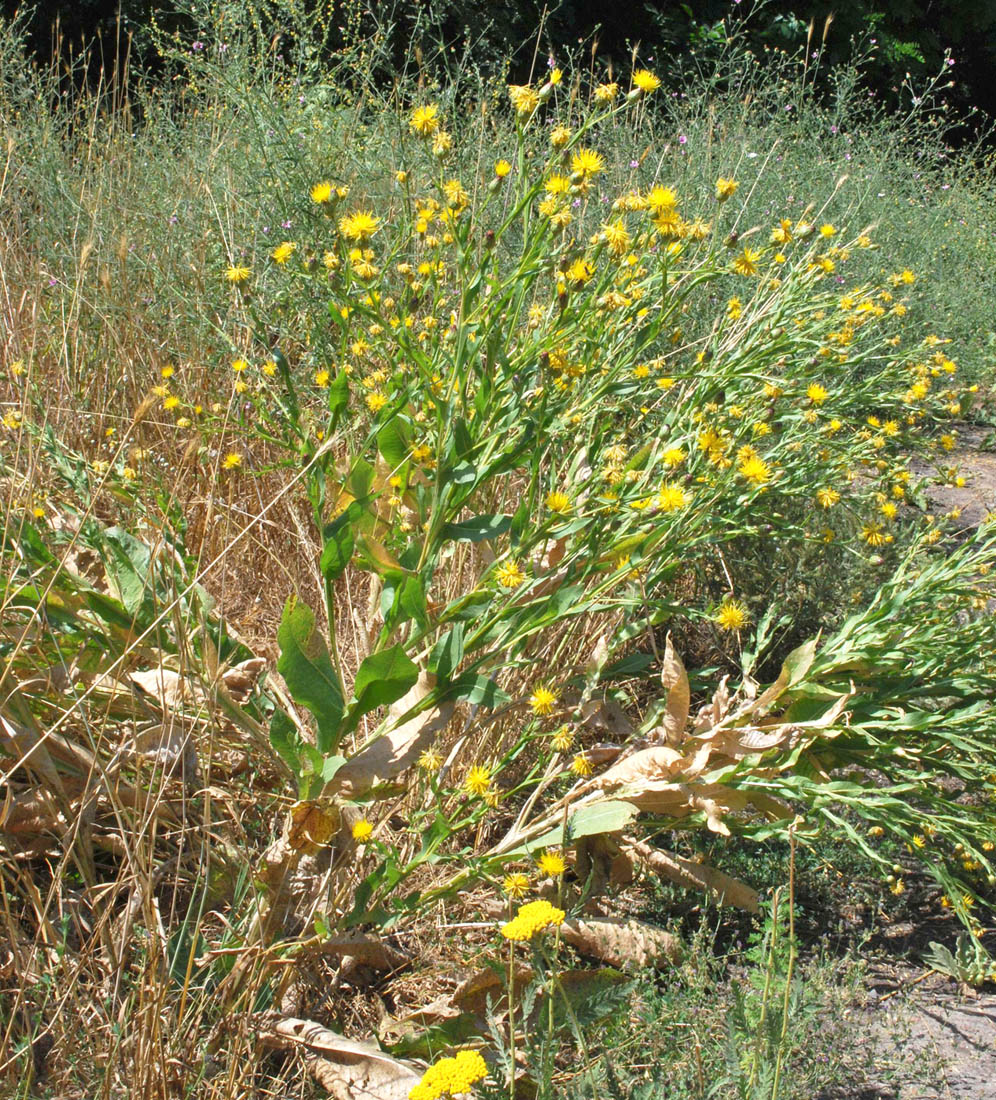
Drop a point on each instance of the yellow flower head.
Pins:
(558, 502)
(424, 121)
(509, 574)
(582, 766)
(543, 701)
(430, 760)
(359, 226)
(283, 252)
(502, 168)
(516, 885)
(478, 781)
(587, 163)
(725, 188)
(322, 192)
(732, 615)
(450, 1077)
(362, 831)
(232, 460)
(606, 93)
(562, 739)
(755, 470)
(532, 918)
(817, 393)
(552, 863)
(672, 497)
(237, 274)
(524, 99)
(645, 82)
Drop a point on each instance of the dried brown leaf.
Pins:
(674, 679)
(622, 943)
(723, 889)
(348, 1069)
(398, 749)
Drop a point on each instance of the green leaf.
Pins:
(447, 653)
(474, 689)
(307, 669)
(464, 473)
(393, 442)
(128, 563)
(338, 397)
(609, 816)
(338, 550)
(382, 679)
(478, 529)
(413, 602)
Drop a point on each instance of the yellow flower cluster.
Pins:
(450, 1077)
(532, 918)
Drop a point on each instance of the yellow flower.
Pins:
(645, 82)
(429, 760)
(581, 765)
(558, 502)
(516, 885)
(874, 535)
(816, 393)
(542, 701)
(532, 918)
(606, 93)
(478, 781)
(672, 497)
(283, 252)
(171, 402)
(239, 365)
(322, 378)
(375, 401)
(674, 456)
(321, 192)
(450, 1077)
(746, 262)
(725, 188)
(502, 168)
(587, 163)
(237, 273)
(424, 121)
(562, 739)
(552, 863)
(442, 143)
(732, 615)
(362, 831)
(232, 460)
(359, 226)
(509, 574)
(524, 99)
(580, 272)
(560, 136)
(827, 498)
(827, 230)
(755, 470)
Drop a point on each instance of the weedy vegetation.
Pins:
(439, 511)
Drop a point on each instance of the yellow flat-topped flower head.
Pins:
(237, 274)
(532, 918)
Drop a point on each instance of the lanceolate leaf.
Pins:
(307, 669)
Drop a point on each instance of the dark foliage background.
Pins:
(910, 36)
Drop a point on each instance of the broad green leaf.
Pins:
(338, 550)
(594, 819)
(128, 562)
(381, 679)
(447, 653)
(477, 529)
(307, 669)
(393, 442)
(474, 689)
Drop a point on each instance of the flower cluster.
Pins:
(532, 918)
(450, 1077)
